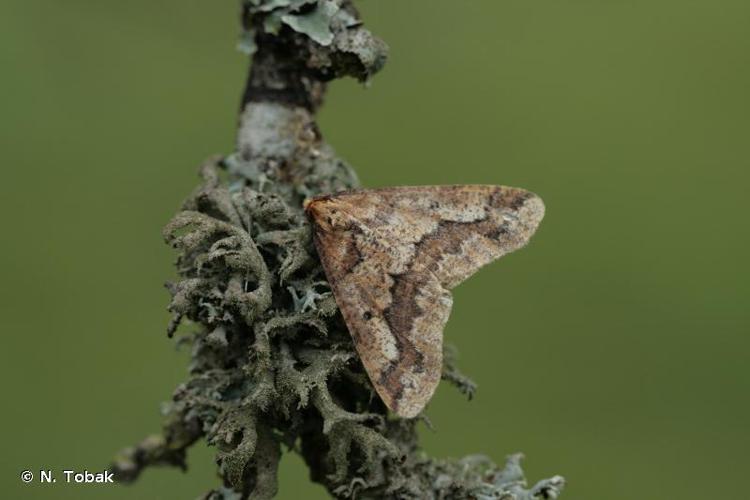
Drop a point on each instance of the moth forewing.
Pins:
(392, 255)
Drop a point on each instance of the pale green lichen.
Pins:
(273, 364)
(317, 23)
(338, 44)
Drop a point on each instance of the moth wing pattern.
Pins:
(392, 255)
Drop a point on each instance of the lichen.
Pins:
(273, 364)
(333, 36)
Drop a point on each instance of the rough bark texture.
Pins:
(273, 366)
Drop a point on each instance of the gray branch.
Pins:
(273, 365)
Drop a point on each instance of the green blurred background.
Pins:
(613, 350)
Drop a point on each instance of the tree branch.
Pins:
(272, 361)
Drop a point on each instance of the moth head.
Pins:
(326, 213)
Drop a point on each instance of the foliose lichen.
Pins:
(334, 39)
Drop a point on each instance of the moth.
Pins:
(392, 256)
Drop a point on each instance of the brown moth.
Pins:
(392, 255)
